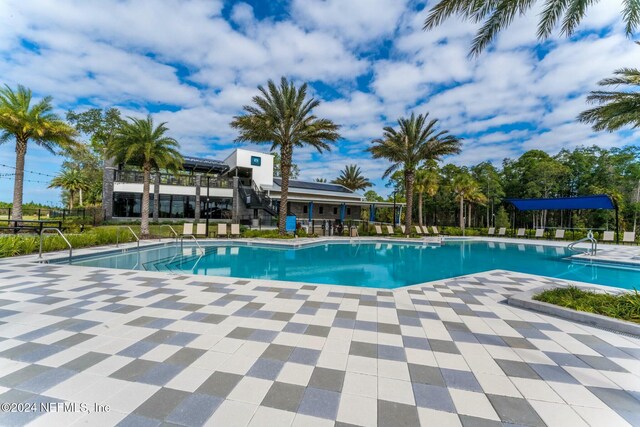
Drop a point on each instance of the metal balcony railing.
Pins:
(170, 179)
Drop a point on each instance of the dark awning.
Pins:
(204, 165)
(599, 201)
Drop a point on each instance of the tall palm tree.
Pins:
(417, 140)
(476, 196)
(466, 189)
(497, 15)
(427, 182)
(24, 122)
(139, 142)
(282, 116)
(352, 178)
(616, 109)
(71, 180)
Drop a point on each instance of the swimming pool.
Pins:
(370, 264)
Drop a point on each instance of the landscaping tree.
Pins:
(140, 143)
(416, 141)
(73, 181)
(282, 116)
(24, 122)
(497, 15)
(352, 178)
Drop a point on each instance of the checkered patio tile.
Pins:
(192, 350)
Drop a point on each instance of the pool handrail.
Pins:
(132, 232)
(594, 244)
(61, 235)
(175, 233)
(191, 236)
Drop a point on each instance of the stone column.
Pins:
(198, 179)
(156, 197)
(235, 211)
(108, 177)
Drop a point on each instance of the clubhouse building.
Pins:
(239, 189)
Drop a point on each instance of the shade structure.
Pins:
(599, 201)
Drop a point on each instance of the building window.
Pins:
(305, 209)
(321, 210)
(335, 211)
(348, 211)
(218, 208)
(127, 205)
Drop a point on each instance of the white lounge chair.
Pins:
(201, 230)
(378, 230)
(389, 230)
(520, 232)
(559, 234)
(403, 229)
(418, 229)
(629, 237)
(435, 230)
(425, 229)
(608, 236)
(222, 230)
(491, 231)
(539, 233)
(187, 229)
(235, 230)
(502, 231)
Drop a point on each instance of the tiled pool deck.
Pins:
(193, 350)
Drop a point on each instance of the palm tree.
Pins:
(139, 142)
(475, 196)
(25, 122)
(281, 116)
(427, 182)
(467, 189)
(497, 15)
(616, 109)
(351, 177)
(415, 141)
(71, 180)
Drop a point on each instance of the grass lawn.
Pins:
(623, 306)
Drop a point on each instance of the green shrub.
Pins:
(624, 306)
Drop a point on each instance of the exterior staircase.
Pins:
(255, 198)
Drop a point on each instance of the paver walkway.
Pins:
(193, 350)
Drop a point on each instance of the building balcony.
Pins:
(181, 180)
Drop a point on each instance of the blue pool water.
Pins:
(378, 265)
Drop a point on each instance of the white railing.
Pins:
(61, 235)
(132, 232)
(594, 244)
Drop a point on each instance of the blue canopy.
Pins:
(599, 201)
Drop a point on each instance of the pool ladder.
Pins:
(594, 244)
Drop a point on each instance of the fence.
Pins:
(92, 215)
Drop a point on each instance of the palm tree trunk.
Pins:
(71, 195)
(286, 154)
(420, 209)
(469, 215)
(80, 195)
(461, 212)
(410, 178)
(144, 222)
(18, 184)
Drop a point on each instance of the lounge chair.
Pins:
(201, 230)
(520, 232)
(559, 234)
(629, 237)
(435, 230)
(403, 229)
(425, 229)
(187, 229)
(608, 236)
(378, 230)
(491, 231)
(418, 229)
(235, 230)
(539, 233)
(222, 230)
(390, 230)
(502, 231)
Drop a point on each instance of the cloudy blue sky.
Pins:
(195, 63)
